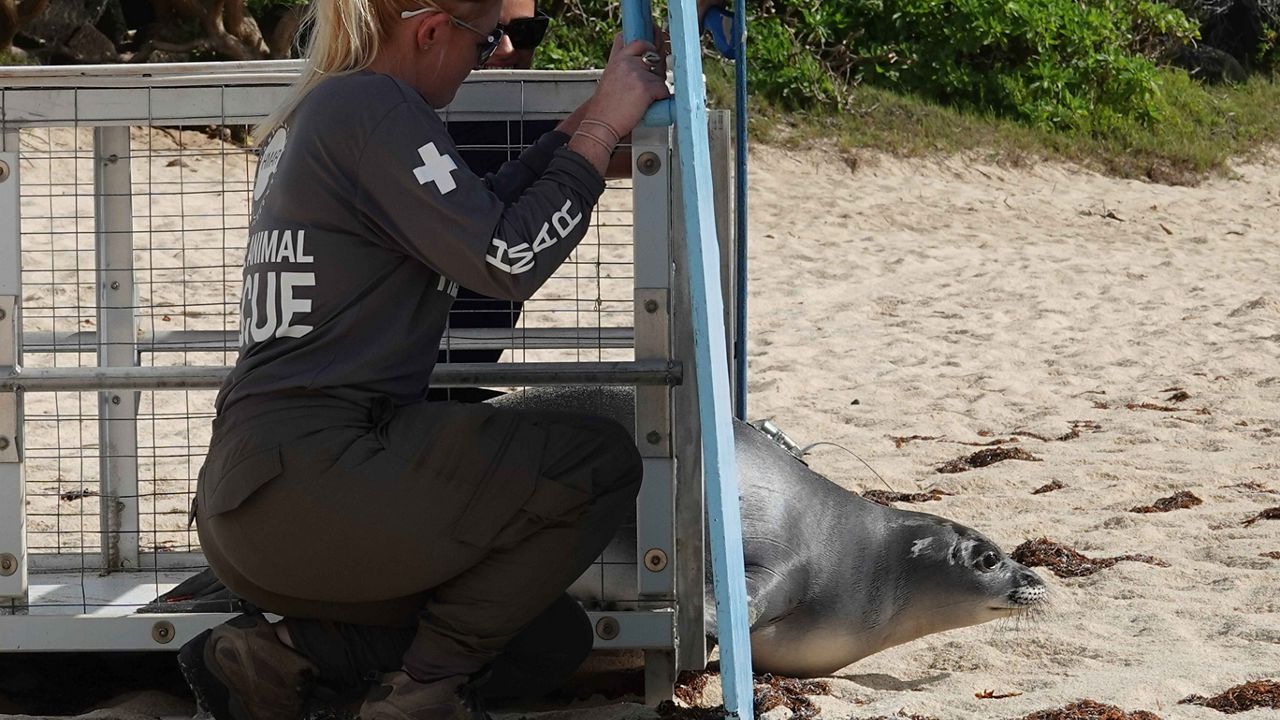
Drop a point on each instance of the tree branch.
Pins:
(14, 15)
(8, 24)
(285, 33)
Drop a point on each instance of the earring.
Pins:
(426, 47)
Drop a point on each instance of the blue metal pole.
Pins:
(740, 206)
(711, 362)
(637, 24)
(637, 21)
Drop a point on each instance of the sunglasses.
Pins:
(527, 33)
(484, 49)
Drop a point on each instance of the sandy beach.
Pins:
(966, 301)
(1124, 334)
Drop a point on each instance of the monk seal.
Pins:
(833, 577)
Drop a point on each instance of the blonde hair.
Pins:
(344, 36)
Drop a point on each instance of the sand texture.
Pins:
(1125, 334)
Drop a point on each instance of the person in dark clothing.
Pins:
(485, 145)
(333, 493)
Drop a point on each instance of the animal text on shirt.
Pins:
(519, 258)
(275, 267)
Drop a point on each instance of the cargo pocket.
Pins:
(557, 503)
(225, 490)
(501, 490)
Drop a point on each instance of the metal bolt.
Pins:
(648, 163)
(655, 560)
(4, 171)
(115, 399)
(607, 628)
(4, 443)
(8, 564)
(115, 284)
(163, 632)
(651, 306)
(654, 437)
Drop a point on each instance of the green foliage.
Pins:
(580, 36)
(10, 58)
(1078, 65)
(1268, 56)
(784, 69)
(1061, 64)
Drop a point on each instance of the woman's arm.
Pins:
(416, 194)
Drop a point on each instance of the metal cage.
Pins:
(124, 207)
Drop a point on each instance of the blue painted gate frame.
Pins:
(711, 362)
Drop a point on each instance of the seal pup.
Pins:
(833, 577)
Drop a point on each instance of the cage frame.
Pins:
(667, 623)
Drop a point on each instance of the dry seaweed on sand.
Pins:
(993, 695)
(1249, 696)
(1050, 487)
(80, 494)
(989, 443)
(983, 458)
(902, 715)
(690, 686)
(900, 440)
(1163, 408)
(668, 710)
(1151, 406)
(1268, 514)
(1077, 428)
(1274, 554)
(888, 497)
(1067, 562)
(1090, 710)
(1254, 486)
(1180, 500)
(772, 691)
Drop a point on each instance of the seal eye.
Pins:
(988, 561)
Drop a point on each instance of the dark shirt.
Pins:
(485, 145)
(365, 221)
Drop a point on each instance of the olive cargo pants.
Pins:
(465, 522)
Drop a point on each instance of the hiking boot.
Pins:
(400, 697)
(241, 671)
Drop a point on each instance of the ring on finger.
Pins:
(651, 59)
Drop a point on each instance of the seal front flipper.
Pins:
(769, 599)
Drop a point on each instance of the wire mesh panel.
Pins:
(190, 215)
(134, 195)
(585, 311)
(189, 190)
(59, 301)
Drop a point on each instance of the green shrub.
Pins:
(1080, 65)
(9, 58)
(580, 36)
(1061, 64)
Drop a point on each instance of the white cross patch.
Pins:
(436, 168)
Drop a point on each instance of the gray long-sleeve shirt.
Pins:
(365, 222)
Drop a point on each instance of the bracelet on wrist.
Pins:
(608, 149)
(617, 138)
